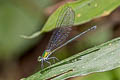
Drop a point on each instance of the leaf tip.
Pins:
(32, 36)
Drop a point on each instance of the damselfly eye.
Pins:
(39, 58)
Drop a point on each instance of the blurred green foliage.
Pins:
(17, 18)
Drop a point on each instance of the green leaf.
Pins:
(85, 10)
(97, 59)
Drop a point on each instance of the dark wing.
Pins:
(63, 28)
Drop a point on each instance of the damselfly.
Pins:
(63, 27)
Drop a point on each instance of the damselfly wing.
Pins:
(63, 28)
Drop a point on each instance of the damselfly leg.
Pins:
(54, 58)
(48, 62)
(42, 66)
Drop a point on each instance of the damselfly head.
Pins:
(40, 58)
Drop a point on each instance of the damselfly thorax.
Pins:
(45, 57)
